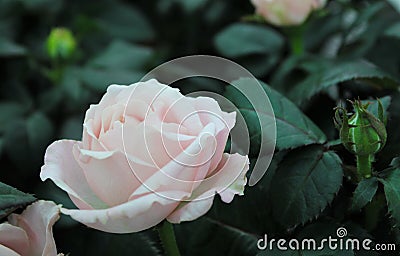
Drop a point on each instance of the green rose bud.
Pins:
(362, 133)
(60, 43)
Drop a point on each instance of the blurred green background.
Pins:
(43, 98)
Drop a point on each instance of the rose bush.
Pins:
(30, 233)
(286, 12)
(147, 153)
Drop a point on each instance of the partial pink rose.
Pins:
(147, 153)
(286, 12)
(31, 232)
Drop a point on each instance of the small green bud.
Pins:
(60, 43)
(363, 133)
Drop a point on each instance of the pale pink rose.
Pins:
(286, 12)
(147, 153)
(30, 233)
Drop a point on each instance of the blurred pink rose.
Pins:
(148, 153)
(30, 233)
(286, 12)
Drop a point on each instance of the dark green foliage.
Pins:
(305, 182)
(392, 191)
(364, 193)
(294, 129)
(12, 199)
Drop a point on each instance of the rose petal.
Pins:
(110, 175)
(14, 239)
(229, 181)
(188, 211)
(109, 98)
(179, 111)
(90, 137)
(153, 93)
(210, 112)
(61, 167)
(37, 220)
(284, 12)
(185, 171)
(110, 115)
(148, 142)
(133, 216)
(4, 251)
(94, 118)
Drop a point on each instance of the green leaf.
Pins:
(188, 6)
(393, 30)
(395, 4)
(40, 131)
(305, 182)
(12, 199)
(192, 5)
(10, 111)
(392, 148)
(320, 38)
(120, 54)
(364, 31)
(338, 73)
(102, 243)
(10, 49)
(72, 128)
(259, 65)
(244, 39)
(214, 238)
(50, 99)
(234, 228)
(43, 6)
(99, 79)
(20, 153)
(374, 106)
(364, 193)
(25, 140)
(294, 129)
(71, 83)
(128, 244)
(284, 76)
(395, 162)
(391, 185)
(1, 146)
(124, 21)
(251, 212)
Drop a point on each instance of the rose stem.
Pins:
(296, 39)
(297, 45)
(167, 236)
(364, 166)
